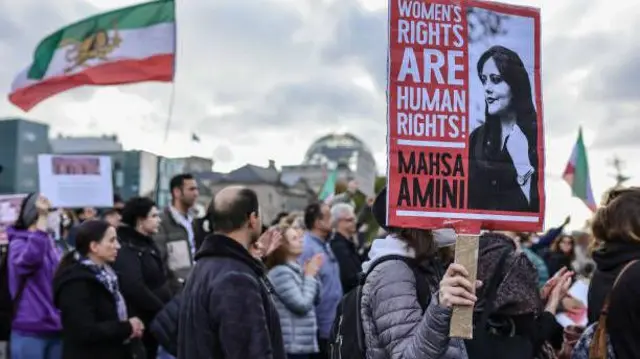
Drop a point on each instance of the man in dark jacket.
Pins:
(343, 244)
(176, 239)
(226, 310)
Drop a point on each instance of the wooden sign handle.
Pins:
(466, 255)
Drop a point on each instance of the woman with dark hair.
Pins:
(503, 156)
(31, 263)
(95, 321)
(561, 254)
(296, 291)
(145, 279)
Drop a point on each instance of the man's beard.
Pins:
(187, 203)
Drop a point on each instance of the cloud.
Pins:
(261, 79)
(243, 66)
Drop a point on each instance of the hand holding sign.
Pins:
(456, 289)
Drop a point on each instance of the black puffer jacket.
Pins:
(623, 319)
(226, 309)
(144, 279)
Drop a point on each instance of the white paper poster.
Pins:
(9, 211)
(76, 181)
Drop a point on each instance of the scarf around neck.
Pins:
(105, 275)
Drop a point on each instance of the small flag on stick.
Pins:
(576, 174)
(329, 187)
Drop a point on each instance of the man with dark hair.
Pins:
(226, 309)
(317, 219)
(176, 239)
(118, 203)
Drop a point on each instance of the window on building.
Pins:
(30, 136)
(28, 159)
(28, 183)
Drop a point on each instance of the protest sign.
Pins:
(465, 134)
(9, 211)
(75, 181)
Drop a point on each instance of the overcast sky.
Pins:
(261, 79)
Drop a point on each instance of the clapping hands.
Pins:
(268, 242)
(556, 289)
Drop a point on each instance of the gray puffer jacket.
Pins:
(295, 296)
(393, 322)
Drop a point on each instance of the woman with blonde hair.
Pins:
(295, 293)
(617, 226)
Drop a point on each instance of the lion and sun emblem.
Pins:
(95, 46)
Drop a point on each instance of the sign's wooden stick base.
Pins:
(466, 255)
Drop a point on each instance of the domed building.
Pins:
(352, 157)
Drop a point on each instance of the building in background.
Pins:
(83, 145)
(21, 141)
(135, 173)
(352, 157)
(274, 194)
(169, 167)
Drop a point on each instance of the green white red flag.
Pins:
(328, 190)
(124, 46)
(576, 174)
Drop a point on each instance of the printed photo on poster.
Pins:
(76, 181)
(503, 145)
(465, 128)
(71, 166)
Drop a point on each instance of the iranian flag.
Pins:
(577, 174)
(129, 45)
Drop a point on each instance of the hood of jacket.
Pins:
(612, 255)
(217, 245)
(389, 245)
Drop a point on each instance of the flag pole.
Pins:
(172, 100)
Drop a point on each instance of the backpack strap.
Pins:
(422, 288)
(421, 292)
(598, 347)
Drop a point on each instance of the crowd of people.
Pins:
(137, 281)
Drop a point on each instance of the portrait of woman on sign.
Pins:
(503, 158)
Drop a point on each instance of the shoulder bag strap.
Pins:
(598, 346)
